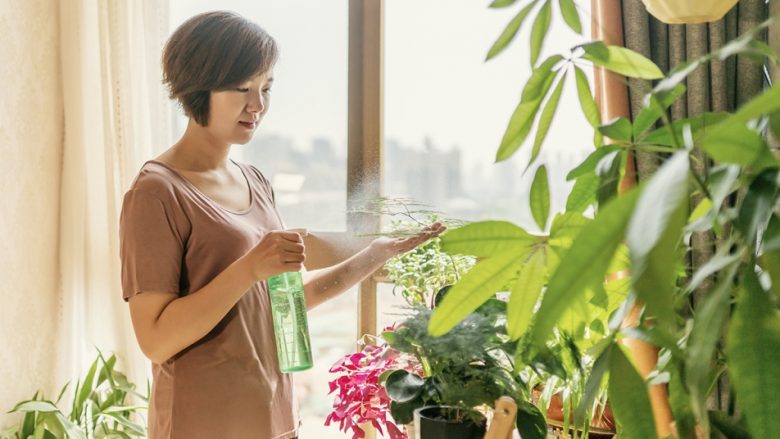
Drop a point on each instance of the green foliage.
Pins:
(99, 409)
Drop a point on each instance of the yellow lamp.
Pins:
(688, 11)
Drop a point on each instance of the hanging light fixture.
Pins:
(688, 11)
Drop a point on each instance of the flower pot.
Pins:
(436, 422)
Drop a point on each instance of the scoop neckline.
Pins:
(208, 199)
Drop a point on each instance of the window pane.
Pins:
(447, 109)
(301, 145)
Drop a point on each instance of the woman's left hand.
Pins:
(387, 248)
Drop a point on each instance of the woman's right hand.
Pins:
(278, 252)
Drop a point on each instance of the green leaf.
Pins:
(525, 293)
(502, 3)
(591, 162)
(570, 15)
(600, 367)
(753, 349)
(584, 264)
(629, 398)
(618, 129)
(707, 329)
(609, 170)
(655, 104)
(523, 117)
(621, 60)
(478, 285)
(770, 259)
(539, 30)
(728, 425)
(545, 119)
(756, 208)
(485, 238)
(531, 423)
(403, 386)
(699, 126)
(722, 259)
(583, 194)
(761, 105)
(86, 390)
(35, 406)
(730, 143)
(509, 32)
(587, 103)
(540, 197)
(654, 236)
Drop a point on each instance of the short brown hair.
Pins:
(214, 51)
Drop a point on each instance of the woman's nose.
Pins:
(256, 103)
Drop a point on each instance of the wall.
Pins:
(31, 138)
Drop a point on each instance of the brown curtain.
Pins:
(718, 86)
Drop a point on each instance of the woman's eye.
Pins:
(267, 90)
(242, 90)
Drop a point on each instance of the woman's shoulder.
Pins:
(255, 173)
(154, 178)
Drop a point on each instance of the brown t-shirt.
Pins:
(174, 238)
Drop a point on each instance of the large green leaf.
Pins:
(531, 423)
(653, 236)
(587, 103)
(761, 105)
(753, 349)
(629, 398)
(478, 285)
(35, 406)
(540, 197)
(756, 208)
(545, 119)
(530, 100)
(590, 164)
(733, 143)
(539, 30)
(486, 238)
(707, 329)
(583, 194)
(403, 386)
(509, 32)
(621, 60)
(618, 129)
(593, 385)
(770, 259)
(584, 264)
(570, 15)
(525, 293)
(610, 172)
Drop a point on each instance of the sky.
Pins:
(437, 84)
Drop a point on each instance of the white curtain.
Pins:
(117, 115)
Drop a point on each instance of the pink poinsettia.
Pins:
(360, 398)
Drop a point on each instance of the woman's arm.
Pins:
(165, 324)
(324, 284)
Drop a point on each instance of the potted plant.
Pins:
(721, 166)
(100, 407)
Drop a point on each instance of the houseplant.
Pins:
(100, 407)
(552, 276)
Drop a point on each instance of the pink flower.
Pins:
(359, 397)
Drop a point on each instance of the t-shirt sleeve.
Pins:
(150, 245)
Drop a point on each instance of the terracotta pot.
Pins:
(600, 427)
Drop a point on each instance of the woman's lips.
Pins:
(248, 125)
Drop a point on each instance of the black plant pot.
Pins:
(438, 423)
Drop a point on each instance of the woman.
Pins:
(200, 234)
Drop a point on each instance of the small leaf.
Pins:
(502, 3)
(35, 406)
(545, 119)
(753, 350)
(589, 164)
(531, 423)
(729, 143)
(478, 285)
(600, 367)
(629, 398)
(584, 264)
(756, 208)
(403, 386)
(539, 30)
(485, 238)
(525, 293)
(509, 32)
(621, 60)
(618, 129)
(699, 126)
(655, 104)
(570, 15)
(523, 117)
(540, 197)
(587, 103)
